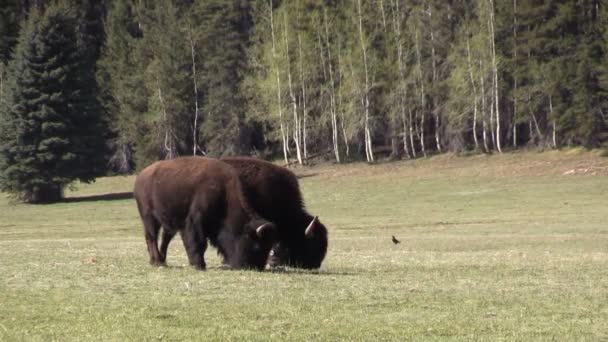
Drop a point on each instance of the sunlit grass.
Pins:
(510, 247)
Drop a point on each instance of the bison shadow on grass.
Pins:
(103, 197)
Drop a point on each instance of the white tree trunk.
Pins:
(195, 124)
(474, 95)
(368, 139)
(552, 120)
(332, 93)
(278, 74)
(342, 117)
(434, 79)
(495, 69)
(403, 86)
(294, 104)
(492, 118)
(483, 109)
(539, 134)
(411, 129)
(383, 16)
(303, 85)
(168, 142)
(422, 97)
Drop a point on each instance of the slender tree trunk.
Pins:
(483, 109)
(412, 134)
(495, 69)
(304, 112)
(492, 119)
(195, 128)
(294, 104)
(552, 120)
(381, 3)
(420, 132)
(403, 86)
(278, 75)
(422, 97)
(535, 122)
(368, 139)
(358, 92)
(474, 95)
(321, 53)
(1, 82)
(406, 147)
(332, 94)
(342, 118)
(168, 142)
(434, 79)
(515, 76)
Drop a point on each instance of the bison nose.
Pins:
(273, 260)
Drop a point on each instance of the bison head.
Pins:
(253, 247)
(305, 252)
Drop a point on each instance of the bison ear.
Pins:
(310, 230)
(265, 230)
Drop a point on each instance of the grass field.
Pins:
(511, 247)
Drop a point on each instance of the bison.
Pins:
(274, 193)
(203, 199)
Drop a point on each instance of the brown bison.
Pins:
(203, 199)
(274, 193)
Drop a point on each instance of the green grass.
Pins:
(511, 247)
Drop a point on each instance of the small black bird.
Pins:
(395, 241)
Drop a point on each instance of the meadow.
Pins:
(509, 247)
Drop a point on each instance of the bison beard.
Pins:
(273, 191)
(203, 199)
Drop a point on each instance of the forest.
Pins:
(95, 87)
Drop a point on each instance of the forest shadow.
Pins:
(283, 270)
(306, 175)
(104, 197)
(279, 270)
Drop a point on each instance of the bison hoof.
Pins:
(200, 267)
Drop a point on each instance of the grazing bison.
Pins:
(203, 199)
(273, 191)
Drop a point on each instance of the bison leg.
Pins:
(195, 242)
(152, 227)
(167, 236)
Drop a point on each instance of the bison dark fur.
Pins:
(203, 199)
(274, 193)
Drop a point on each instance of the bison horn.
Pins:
(260, 231)
(309, 232)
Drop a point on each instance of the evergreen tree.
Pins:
(9, 27)
(122, 89)
(588, 93)
(9, 30)
(165, 130)
(308, 75)
(223, 35)
(50, 133)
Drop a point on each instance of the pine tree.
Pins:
(9, 27)
(9, 30)
(50, 133)
(122, 89)
(223, 32)
(166, 128)
(588, 93)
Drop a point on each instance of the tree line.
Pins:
(359, 79)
